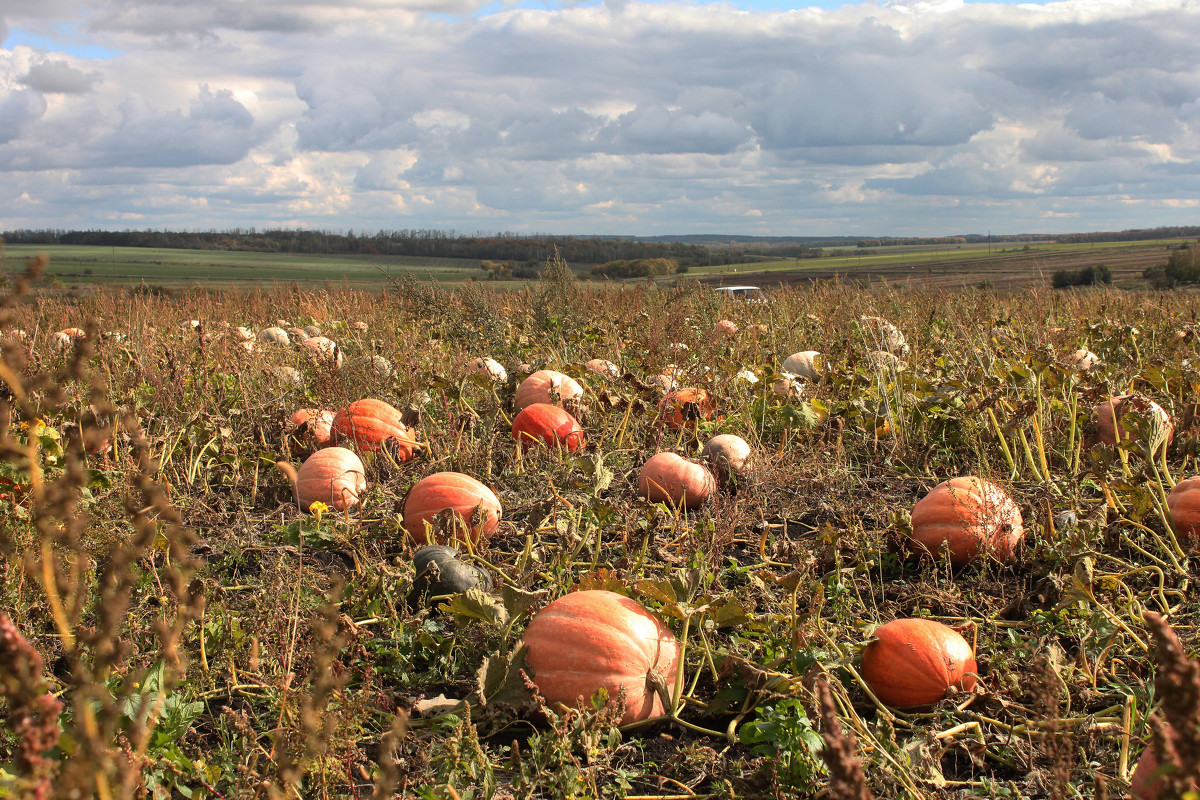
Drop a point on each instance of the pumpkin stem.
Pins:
(656, 681)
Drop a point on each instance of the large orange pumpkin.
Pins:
(912, 663)
(671, 478)
(543, 423)
(547, 386)
(1184, 504)
(369, 423)
(586, 641)
(970, 518)
(473, 508)
(672, 408)
(1109, 413)
(334, 476)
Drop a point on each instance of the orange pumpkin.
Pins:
(316, 423)
(673, 408)
(970, 518)
(912, 663)
(1184, 504)
(592, 640)
(544, 423)
(1109, 413)
(369, 423)
(725, 327)
(670, 478)
(334, 476)
(323, 349)
(546, 386)
(603, 367)
(1144, 784)
(727, 453)
(473, 508)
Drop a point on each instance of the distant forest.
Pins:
(687, 251)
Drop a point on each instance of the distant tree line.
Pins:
(1182, 267)
(637, 268)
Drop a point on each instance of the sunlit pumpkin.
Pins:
(273, 335)
(807, 364)
(334, 476)
(369, 423)
(547, 386)
(671, 478)
(1184, 504)
(487, 368)
(1144, 784)
(683, 406)
(603, 367)
(884, 335)
(591, 640)
(1108, 416)
(542, 423)
(1081, 360)
(472, 510)
(725, 327)
(313, 423)
(912, 663)
(728, 454)
(323, 349)
(969, 518)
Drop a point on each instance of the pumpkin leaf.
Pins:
(477, 604)
(603, 578)
(499, 679)
(728, 612)
(518, 602)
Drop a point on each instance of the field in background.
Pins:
(942, 266)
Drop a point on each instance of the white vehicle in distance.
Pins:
(749, 294)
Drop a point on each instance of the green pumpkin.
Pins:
(440, 573)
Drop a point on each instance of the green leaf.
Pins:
(477, 604)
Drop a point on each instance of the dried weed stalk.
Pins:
(846, 778)
(1176, 729)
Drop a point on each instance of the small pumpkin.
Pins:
(314, 423)
(596, 639)
(728, 454)
(334, 476)
(473, 508)
(684, 406)
(884, 334)
(970, 518)
(323, 349)
(912, 663)
(671, 478)
(725, 327)
(369, 423)
(546, 386)
(441, 573)
(1184, 504)
(273, 335)
(807, 364)
(487, 368)
(1081, 360)
(603, 367)
(542, 423)
(789, 387)
(1109, 413)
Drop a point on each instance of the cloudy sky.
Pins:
(622, 116)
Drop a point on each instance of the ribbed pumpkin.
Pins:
(672, 407)
(1184, 504)
(464, 497)
(273, 335)
(968, 517)
(539, 387)
(1109, 413)
(369, 423)
(725, 327)
(439, 572)
(323, 349)
(334, 476)
(727, 453)
(668, 477)
(585, 641)
(313, 423)
(1081, 360)
(912, 663)
(488, 368)
(542, 423)
(603, 367)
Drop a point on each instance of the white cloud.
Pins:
(619, 117)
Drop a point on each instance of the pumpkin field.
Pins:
(580, 542)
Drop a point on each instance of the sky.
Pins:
(887, 117)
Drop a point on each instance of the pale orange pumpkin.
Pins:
(547, 386)
(1184, 504)
(488, 368)
(970, 518)
(334, 476)
(314, 423)
(912, 663)
(725, 327)
(727, 453)
(1109, 413)
(596, 639)
(473, 509)
(603, 368)
(672, 407)
(369, 423)
(671, 478)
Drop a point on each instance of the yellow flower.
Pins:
(318, 508)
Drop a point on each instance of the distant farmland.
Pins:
(944, 265)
